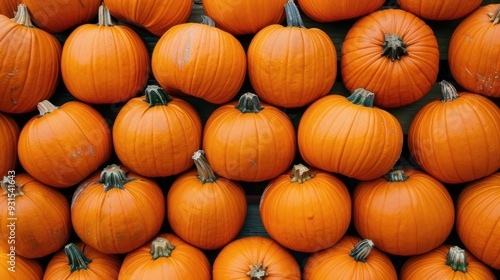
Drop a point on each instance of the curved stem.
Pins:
(361, 251)
(394, 47)
(22, 16)
(456, 259)
(362, 97)
(292, 13)
(76, 259)
(156, 95)
(495, 17)
(448, 91)
(300, 173)
(257, 271)
(104, 16)
(249, 103)
(45, 107)
(161, 247)
(207, 21)
(10, 187)
(113, 177)
(205, 172)
(397, 175)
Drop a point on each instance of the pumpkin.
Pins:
(249, 140)
(64, 144)
(407, 212)
(244, 16)
(291, 66)
(115, 211)
(156, 16)
(349, 136)
(393, 53)
(256, 258)
(200, 60)
(155, 135)
(441, 9)
(166, 257)
(80, 261)
(478, 219)
(61, 15)
(30, 63)
(203, 209)
(104, 63)
(445, 262)
(335, 10)
(306, 210)
(9, 7)
(9, 131)
(15, 267)
(474, 51)
(350, 258)
(456, 139)
(35, 218)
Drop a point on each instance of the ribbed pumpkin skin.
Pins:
(156, 16)
(395, 83)
(439, 9)
(43, 223)
(199, 60)
(404, 218)
(335, 263)
(9, 131)
(474, 52)
(335, 10)
(31, 65)
(25, 269)
(8, 7)
(234, 260)
(478, 219)
(186, 263)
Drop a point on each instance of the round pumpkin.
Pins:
(392, 53)
(64, 144)
(155, 135)
(15, 267)
(439, 9)
(474, 51)
(407, 212)
(200, 60)
(104, 63)
(291, 66)
(456, 139)
(255, 257)
(9, 131)
(166, 257)
(349, 136)
(35, 218)
(306, 210)
(350, 258)
(249, 141)
(336, 10)
(80, 261)
(9, 7)
(478, 219)
(203, 209)
(115, 211)
(30, 65)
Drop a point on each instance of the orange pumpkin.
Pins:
(16, 267)
(9, 131)
(408, 66)
(80, 261)
(64, 144)
(255, 257)
(9, 7)
(439, 9)
(35, 218)
(307, 210)
(405, 213)
(336, 10)
(30, 63)
(116, 212)
(249, 141)
(104, 63)
(166, 257)
(350, 258)
(203, 209)
(167, 130)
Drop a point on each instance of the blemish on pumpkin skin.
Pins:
(187, 51)
(83, 151)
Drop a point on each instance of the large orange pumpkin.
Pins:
(9, 131)
(306, 210)
(393, 53)
(336, 10)
(16, 267)
(291, 66)
(30, 63)
(456, 139)
(64, 144)
(439, 9)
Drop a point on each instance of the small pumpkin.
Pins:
(9, 131)
(439, 9)
(15, 267)
(335, 10)
(166, 257)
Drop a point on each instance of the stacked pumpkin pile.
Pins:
(126, 177)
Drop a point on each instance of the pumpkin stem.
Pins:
(114, 177)
(205, 172)
(76, 259)
(456, 259)
(495, 17)
(161, 247)
(300, 173)
(361, 251)
(249, 103)
(394, 48)
(104, 16)
(362, 97)
(9, 186)
(397, 175)
(22, 16)
(45, 107)
(293, 18)
(156, 95)
(207, 20)
(448, 91)
(257, 271)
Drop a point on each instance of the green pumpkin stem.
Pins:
(362, 97)
(300, 173)
(205, 172)
(361, 251)
(495, 17)
(22, 16)
(394, 47)
(397, 175)
(76, 259)
(448, 91)
(161, 247)
(207, 21)
(113, 177)
(104, 16)
(45, 107)
(249, 103)
(9, 186)
(156, 95)
(292, 13)
(456, 259)
(257, 271)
